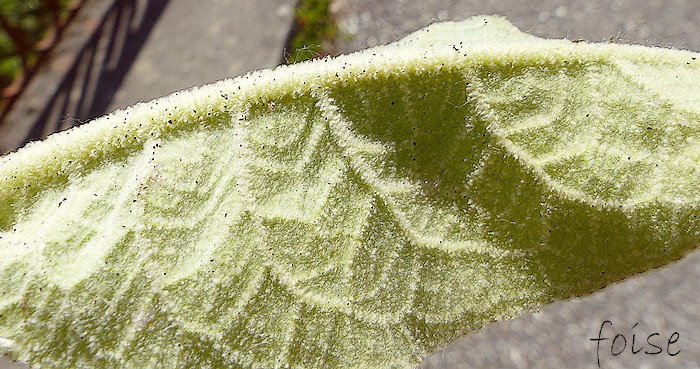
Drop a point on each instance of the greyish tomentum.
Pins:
(354, 212)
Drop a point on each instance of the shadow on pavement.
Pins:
(88, 88)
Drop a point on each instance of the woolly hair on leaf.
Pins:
(355, 212)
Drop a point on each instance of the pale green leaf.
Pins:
(355, 212)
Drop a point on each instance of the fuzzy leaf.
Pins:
(356, 212)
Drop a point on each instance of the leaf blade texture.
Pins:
(360, 211)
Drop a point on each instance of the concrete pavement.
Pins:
(667, 23)
(118, 52)
(196, 43)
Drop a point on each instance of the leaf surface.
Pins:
(356, 212)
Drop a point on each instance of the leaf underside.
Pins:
(356, 212)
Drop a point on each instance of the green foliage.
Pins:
(9, 67)
(30, 19)
(314, 27)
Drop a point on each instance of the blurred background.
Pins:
(64, 62)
